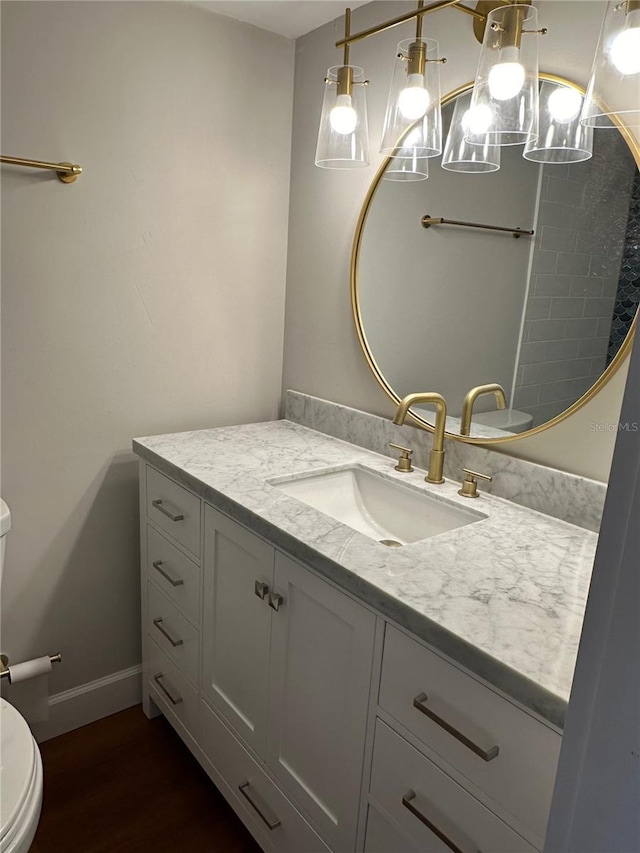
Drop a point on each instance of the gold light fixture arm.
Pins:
(401, 19)
(66, 172)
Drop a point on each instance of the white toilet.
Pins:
(20, 762)
(510, 420)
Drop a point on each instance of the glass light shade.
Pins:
(462, 156)
(614, 86)
(343, 138)
(505, 93)
(414, 102)
(407, 168)
(561, 136)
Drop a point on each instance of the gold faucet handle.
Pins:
(470, 485)
(404, 462)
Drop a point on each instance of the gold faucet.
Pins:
(472, 396)
(436, 455)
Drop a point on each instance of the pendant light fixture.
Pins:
(504, 108)
(505, 94)
(561, 136)
(407, 167)
(614, 86)
(414, 99)
(343, 139)
(462, 156)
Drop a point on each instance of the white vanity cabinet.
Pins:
(287, 661)
(325, 727)
(455, 765)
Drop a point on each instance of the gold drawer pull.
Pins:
(157, 565)
(159, 505)
(158, 623)
(486, 755)
(255, 801)
(175, 700)
(407, 802)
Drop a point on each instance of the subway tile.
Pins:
(599, 307)
(531, 353)
(565, 389)
(593, 347)
(525, 397)
(567, 192)
(572, 263)
(560, 350)
(583, 286)
(558, 239)
(547, 330)
(552, 285)
(550, 213)
(567, 307)
(544, 261)
(538, 307)
(603, 328)
(581, 328)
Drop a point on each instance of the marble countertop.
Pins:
(504, 597)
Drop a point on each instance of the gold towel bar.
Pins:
(66, 172)
(428, 221)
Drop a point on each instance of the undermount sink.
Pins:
(393, 513)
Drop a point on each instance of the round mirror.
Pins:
(523, 278)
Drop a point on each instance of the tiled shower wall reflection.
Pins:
(580, 236)
(628, 295)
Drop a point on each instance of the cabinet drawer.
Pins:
(176, 575)
(174, 509)
(171, 691)
(284, 827)
(177, 638)
(382, 837)
(520, 777)
(415, 793)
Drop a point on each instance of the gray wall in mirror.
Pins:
(450, 308)
(581, 227)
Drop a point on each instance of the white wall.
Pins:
(147, 297)
(322, 354)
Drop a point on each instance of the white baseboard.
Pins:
(90, 702)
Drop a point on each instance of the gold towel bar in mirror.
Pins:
(66, 172)
(428, 221)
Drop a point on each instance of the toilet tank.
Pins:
(5, 527)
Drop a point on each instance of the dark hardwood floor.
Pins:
(129, 785)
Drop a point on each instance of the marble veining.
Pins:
(570, 497)
(503, 596)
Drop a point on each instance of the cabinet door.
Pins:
(236, 626)
(321, 661)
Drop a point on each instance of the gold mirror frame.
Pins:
(606, 375)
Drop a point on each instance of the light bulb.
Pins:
(343, 117)
(625, 50)
(413, 101)
(564, 104)
(477, 120)
(507, 76)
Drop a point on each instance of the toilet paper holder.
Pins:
(5, 672)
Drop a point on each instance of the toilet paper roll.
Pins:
(29, 690)
(29, 669)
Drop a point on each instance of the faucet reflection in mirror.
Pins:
(472, 396)
(436, 454)
(506, 107)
